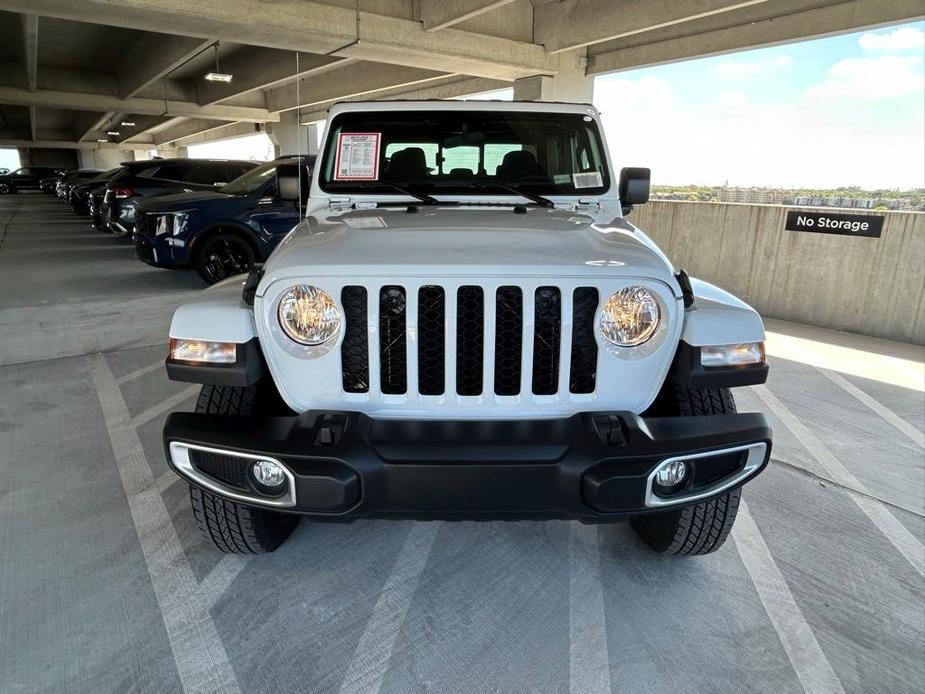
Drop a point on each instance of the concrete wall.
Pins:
(104, 159)
(65, 158)
(873, 286)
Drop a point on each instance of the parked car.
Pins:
(138, 183)
(219, 233)
(4, 170)
(50, 183)
(79, 197)
(72, 178)
(25, 178)
(465, 325)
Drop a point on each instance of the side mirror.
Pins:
(288, 180)
(634, 187)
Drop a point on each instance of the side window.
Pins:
(25, 172)
(201, 173)
(167, 172)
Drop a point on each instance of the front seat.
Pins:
(408, 164)
(518, 165)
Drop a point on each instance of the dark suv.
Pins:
(79, 196)
(220, 233)
(140, 181)
(26, 178)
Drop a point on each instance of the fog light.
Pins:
(671, 474)
(268, 473)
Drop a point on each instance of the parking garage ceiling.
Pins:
(71, 73)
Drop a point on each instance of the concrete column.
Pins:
(291, 138)
(569, 84)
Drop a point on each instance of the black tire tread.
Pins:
(232, 527)
(704, 527)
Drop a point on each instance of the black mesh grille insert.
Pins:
(431, 340)
(354, 351)
(508, 340)
(583, 370)
(547, 306)
(393, 355)
(470, 333)
(708, 471)
(227, 469)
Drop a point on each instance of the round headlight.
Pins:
(630, 317)
(308, 315)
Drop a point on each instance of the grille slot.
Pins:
(509, 314)
(547, 333)
(354, 351)
(583, 370)
(431, 340)
(227, 469)
(393, 352)
(470, 333)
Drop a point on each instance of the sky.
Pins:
(840, 111)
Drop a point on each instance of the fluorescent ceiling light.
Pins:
(114, 133)
(219, 77)
(100, 139)
(128, 124)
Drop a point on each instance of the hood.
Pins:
(185, 201)
(468, 241)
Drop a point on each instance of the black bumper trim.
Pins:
(471, 469)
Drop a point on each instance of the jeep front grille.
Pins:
(530, 334)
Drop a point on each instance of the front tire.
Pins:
(223, 255)
(5, 188)
(704, 527)
(232, 527)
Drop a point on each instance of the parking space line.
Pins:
(885, 413)
(220, 578)
(164, 482)
(373, 653)
(898, 534)
(138, 373)
(796, 636)
(589, 656)
(164, 406)
(198, 651)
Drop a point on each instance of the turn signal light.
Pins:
(122, 192)
(202, 352)
(743, 354)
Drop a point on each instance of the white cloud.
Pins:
(882, 77)
(754, 67)
(902, 39)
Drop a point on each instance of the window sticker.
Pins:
(587, 180)
(357, 157)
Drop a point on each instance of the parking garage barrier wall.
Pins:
(869, 285)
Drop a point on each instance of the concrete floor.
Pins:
(105, 585)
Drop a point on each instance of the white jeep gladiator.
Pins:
(465, 326)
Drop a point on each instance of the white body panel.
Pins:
(347, 240)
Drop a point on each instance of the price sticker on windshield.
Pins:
(357, 157)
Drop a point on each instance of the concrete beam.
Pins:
(30, 32)
(140, 132)
(451, 87)
(440, 14)
(46, 98)
(783, 22)
(154, 57)
(262, 68)
(90, 124)
(188, 128)
(67, 144)
(357, 79)
(561, 26)
(224, 131)
(314, 27)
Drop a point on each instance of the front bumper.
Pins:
(592, 466)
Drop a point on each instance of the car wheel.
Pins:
(704, 527)
(5, 188)
(222, 256)
(232, 527)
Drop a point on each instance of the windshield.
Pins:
(251, 181)
(464, 152)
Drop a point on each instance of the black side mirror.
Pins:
(634, 187)
(289, 177)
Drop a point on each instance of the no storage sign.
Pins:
(835, 223)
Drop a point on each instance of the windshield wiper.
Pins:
(422, 197)
(533, 197)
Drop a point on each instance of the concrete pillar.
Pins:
(291, 138)
(569, 84)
